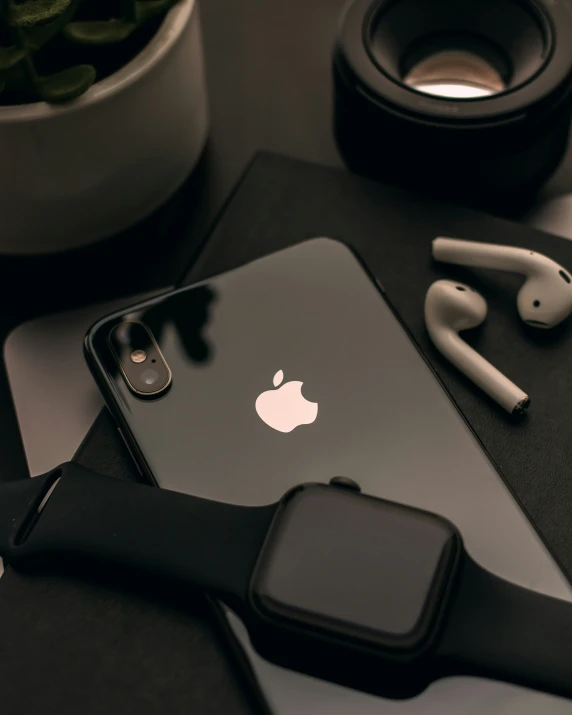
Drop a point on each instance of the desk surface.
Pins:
(269, 85)
(268, 73)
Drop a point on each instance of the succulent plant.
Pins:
(40, 36)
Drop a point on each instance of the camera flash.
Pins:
(138, 356)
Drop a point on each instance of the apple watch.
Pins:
(351, 588)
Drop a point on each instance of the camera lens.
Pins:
(470, 101)
(455, 73)
(135, 348)
(149, 377)
(123, 333)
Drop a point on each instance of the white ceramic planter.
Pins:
(75, 173)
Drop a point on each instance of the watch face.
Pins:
(355, 567)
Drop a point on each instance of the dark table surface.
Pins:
(269, 83)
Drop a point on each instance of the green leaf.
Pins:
(66, 85)
(102, 32)
(10, 56)
(37, 36)
(35, 12)
(106, 32)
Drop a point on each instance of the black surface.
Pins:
(498, 629)
(95, 632)
(268, 69)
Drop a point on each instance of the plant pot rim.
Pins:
(165, 37)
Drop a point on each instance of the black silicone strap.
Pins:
(493, 628)
(501, 630)
(207, 544)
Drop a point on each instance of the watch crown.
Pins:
(345, 483)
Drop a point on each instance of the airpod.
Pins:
(545, 298)
(451, 307)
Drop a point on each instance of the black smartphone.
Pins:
(289, 369)
(295, 368)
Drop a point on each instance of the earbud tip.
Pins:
(521, 407)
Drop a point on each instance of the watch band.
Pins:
(492, 628)
(203, 543)
(500, 630)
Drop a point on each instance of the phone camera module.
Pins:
(134, 348)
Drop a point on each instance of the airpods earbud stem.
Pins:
(491, 381)
(486, 255)
(451, 307)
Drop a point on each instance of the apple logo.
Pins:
(285, 408)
